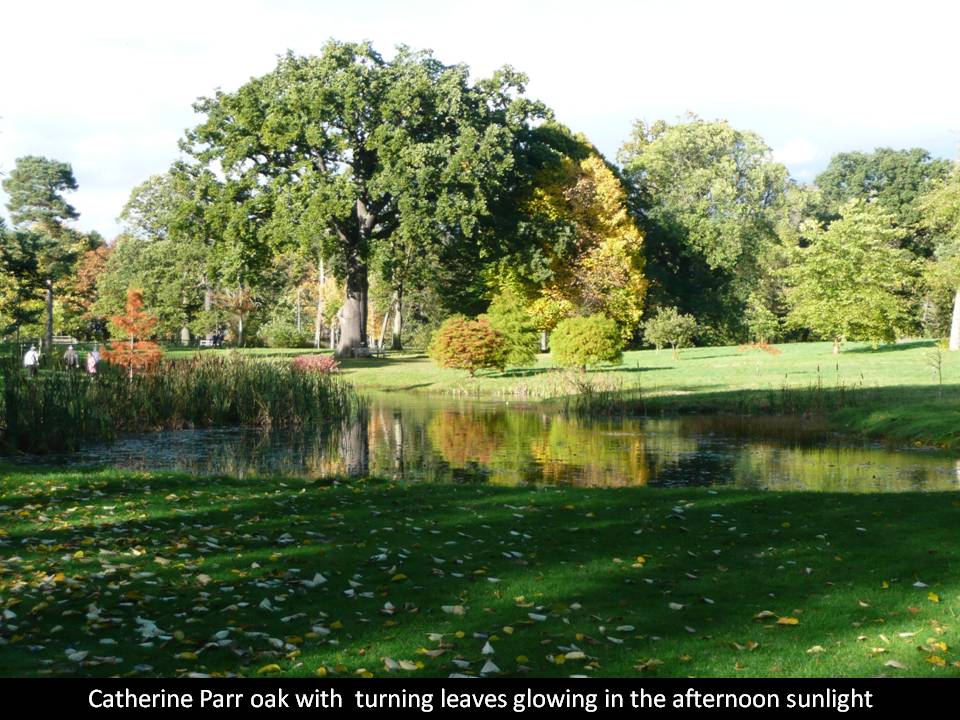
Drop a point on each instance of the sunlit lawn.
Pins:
(893, 392)
(151, 574)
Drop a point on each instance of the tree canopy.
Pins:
(351, 149)
(707, 192)
(854, 281)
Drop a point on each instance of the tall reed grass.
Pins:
(59, 411)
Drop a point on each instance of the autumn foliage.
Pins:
(323, 364)
(467, 344)
(134, 353)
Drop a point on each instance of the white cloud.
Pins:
(796, 151)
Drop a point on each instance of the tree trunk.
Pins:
(299, 325)
(836, 346)
(397, 340)
(353, 315)
(383, 324)
(544, 347)
(955, 324)
(320, 287)
(48, 335)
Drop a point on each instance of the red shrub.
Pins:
(324, 364)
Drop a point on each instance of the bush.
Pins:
(285, 335)
(466, 344)
(585, 341)
(670, 327)
(509, 317)
(324, 364)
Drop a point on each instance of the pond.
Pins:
(411, 438)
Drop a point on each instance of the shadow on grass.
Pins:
(565, 564)
(891, 347)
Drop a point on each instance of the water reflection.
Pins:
(417, 439)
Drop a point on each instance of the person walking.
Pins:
(71, 359)
(31, 361)
(93, 359)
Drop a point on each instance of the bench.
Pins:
(366, 351)
(64, 340)
(206, 342)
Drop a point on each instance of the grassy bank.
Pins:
(891, 393)
(110, 573)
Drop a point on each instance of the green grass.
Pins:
(84, 555)
(889, 393)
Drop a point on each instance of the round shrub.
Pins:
(466, 344)
(585, 341)
(284, 335)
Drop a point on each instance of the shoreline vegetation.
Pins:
(154, 574)
(895, 394)
(903, 394)
(59, 410)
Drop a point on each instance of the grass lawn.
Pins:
(888, 393)
(112, 573)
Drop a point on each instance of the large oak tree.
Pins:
(349, 149)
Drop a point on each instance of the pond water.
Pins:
(412, 438)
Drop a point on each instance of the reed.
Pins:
(59, 411)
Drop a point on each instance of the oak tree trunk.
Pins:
(353, 315)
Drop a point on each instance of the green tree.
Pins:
(670, 327)
(895, 179)
(708, 193)
(854, 281)
(35, 188)
(351, 149)
(508, 316)
(586, 341)
(940, 209)
(19, 279)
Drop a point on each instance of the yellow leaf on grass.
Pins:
(399, 577)
(320, 671)
(933, 597)
(186, 656)
(267, 669)
(936, 660)
(787, 621)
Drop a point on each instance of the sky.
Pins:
(109, 86)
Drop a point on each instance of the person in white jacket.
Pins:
(31, 361)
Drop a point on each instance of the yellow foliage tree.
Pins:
(599, 269)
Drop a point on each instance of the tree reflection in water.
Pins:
(409, 438)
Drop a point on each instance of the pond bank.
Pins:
(888, 394)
